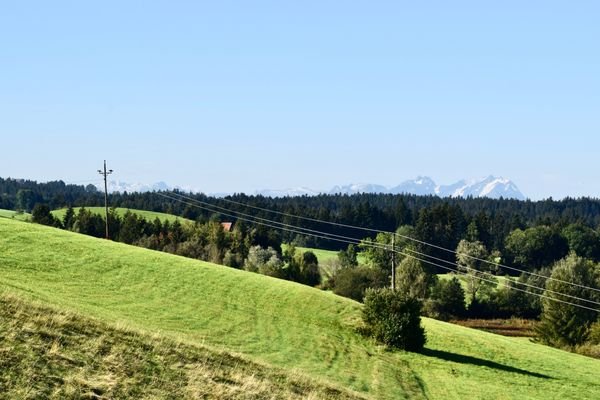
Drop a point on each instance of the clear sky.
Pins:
(243, 95)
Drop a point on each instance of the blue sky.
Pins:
(238, 96)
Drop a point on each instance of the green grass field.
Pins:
(283, 324)
(49, 353)
(14, 215)
(148, 215)
(322, 255)
(325, 256)
(502, 280)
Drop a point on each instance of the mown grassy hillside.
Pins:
(20, 216)
(48, 353)
(282, 323)
(148, 215)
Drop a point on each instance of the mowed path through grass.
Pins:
(278, 322)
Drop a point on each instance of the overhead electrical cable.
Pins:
(392, 233)
(349, 240)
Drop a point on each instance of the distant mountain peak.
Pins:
(358, 188)
(299, 191)
(489, 186)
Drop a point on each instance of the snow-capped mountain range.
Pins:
(490, 186)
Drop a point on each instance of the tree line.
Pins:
(249, 247)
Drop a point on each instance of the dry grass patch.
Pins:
(49, 354)
(514, 327)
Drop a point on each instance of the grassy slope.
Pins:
(14, 215)
(322, 255)
(282, 323)
(47, 353)
(326, 256)
(149, 215)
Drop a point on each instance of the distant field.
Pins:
(463, 281)
(514, 327)
(14, 215)
(322, 255)
(149, 215)
(279, 323)
(325, 256)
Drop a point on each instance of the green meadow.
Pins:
(279, 324)
(19, 216)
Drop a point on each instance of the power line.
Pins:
(399, 235)
(392, 233)
(357, 241)
(493, 276)
(349, 240)
(299, 216)
(504, 284)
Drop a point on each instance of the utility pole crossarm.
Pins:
(105, 173)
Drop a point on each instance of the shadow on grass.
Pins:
(462, 359)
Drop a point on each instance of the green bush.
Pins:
(352, 282)
(393, 318)
(594, 335)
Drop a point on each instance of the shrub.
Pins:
(233, 260)
(264, 261)
(353, 282)
(393, 318)
(594, 334)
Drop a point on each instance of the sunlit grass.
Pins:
(284, 324)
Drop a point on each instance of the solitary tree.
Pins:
(565, 324)
(471, 258)
(411, 278)
(69, 218)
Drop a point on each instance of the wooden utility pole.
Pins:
(105, 173)
(393, 261)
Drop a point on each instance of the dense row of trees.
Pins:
(252, 248)
(442, 221)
